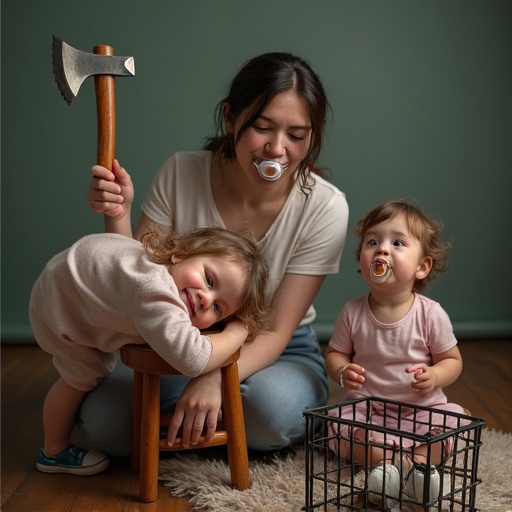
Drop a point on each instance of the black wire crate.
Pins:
(341, 482)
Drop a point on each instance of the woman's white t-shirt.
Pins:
(307, 237)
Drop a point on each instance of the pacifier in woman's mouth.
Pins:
(380, 270)
(270, 169)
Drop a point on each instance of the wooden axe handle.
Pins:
(106, 108)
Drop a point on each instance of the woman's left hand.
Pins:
(197, 410)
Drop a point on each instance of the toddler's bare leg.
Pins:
(362, 452)
(420, 453)
(59, 416)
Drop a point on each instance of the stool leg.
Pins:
(137, 418)
(149, 450)
(237, 444)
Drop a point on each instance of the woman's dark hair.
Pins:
(255, 85)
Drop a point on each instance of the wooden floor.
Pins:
(484, 387)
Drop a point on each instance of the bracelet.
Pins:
(341, 375)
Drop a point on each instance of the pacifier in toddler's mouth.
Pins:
(270, 169)
(380, 270)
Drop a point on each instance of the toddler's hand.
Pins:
(424, 378)
(353, 376)
(237, 328)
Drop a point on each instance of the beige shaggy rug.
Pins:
(278, 481)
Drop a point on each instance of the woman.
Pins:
(258, 177)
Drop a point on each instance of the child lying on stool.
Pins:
(109, 290)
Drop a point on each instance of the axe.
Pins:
(71, 67)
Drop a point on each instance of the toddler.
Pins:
(397, 344)
(108, 290)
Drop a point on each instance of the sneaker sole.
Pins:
(85, 471)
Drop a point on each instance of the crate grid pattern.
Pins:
(337, 484)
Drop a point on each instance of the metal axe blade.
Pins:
(71, 67)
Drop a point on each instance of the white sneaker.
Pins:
(415, 481)
(384, 485)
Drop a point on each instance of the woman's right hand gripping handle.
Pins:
(110, 193)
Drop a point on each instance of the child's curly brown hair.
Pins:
(165, 247)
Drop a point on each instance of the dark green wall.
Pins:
(421, 93)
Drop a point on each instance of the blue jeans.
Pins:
(273, 400)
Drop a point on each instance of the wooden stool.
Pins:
(147, 420)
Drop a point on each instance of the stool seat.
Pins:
(148, 366)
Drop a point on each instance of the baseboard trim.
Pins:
(22, 334)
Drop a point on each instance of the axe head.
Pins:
(71, 67)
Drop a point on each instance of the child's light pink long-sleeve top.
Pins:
(102, 293)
